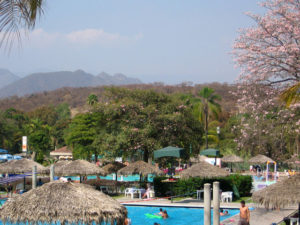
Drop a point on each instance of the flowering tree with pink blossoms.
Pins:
(266, 126)
(269, 53)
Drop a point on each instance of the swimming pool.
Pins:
(112, 177)
(177, 215)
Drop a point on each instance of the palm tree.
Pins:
(16, 15)
(92, 99)
(291, 95)
(208, 107)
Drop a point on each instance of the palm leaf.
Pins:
(291, 95)
(16, 15)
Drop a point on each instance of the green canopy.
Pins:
(169, 152)
(210, 152)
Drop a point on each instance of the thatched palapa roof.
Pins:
(232, 159)
(283, 193)
(21, 166)
(260, 159)
(79, 167)
(113, 167)
(64, 202)
(140, 167)
(203, 169)
(294, 160)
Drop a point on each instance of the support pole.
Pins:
(216, 203)
(34, 171)
(52, 172)
(207, 205)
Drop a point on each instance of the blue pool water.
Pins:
(120, 178)
(177, 215)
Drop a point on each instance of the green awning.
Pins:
(210, 152)
(169, 152)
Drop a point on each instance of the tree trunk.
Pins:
(33, 156)
(146, 155)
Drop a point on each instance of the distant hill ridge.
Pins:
(40, 82)
(7, 77)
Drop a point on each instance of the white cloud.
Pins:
(92, 35)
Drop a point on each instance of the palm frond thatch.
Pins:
(260, 159)
(79, 167)
(232, 159)
(113, 167)
(283, 193)
(64, 202)
(203, 169)
(22, 166)
(140, 167)
(16, 15)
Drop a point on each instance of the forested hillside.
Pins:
(76, 97)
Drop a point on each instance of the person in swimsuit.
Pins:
(244, 214)
(165, 215)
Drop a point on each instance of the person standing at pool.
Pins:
(244, 214)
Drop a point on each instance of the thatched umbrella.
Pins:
(79, 167)
(140, 167)
(203, 169)
(65, 203)
(294, 161)
(22, 166)
(283, 193)
(232, 159)
(113, 168)
(260, 159)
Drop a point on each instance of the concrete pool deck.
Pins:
(258, 216)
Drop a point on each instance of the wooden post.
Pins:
(52, 167)
(216, 203)
(207, 205)
(34, 176)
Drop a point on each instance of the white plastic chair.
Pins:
(131, 192)
(226, 196)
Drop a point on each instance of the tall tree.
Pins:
(208, 108)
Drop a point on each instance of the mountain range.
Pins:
(12, 85)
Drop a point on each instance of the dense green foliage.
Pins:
(132, 123)
(243, 184)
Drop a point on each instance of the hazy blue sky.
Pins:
(154, 40)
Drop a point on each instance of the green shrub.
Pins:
(190, 186)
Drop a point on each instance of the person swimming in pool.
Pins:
(165, 215)
(222, 213)
(156, 224)
(161, 212)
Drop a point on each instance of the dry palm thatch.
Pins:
(21, 166)
(64, 202)
(203, 169)
(260, 159)
(283, 193)
(295, 160)
(113, 167)
(140, 167)
(79, 167)
(232, 159)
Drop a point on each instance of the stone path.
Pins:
(261, 216)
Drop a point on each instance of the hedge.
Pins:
(239, 184)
